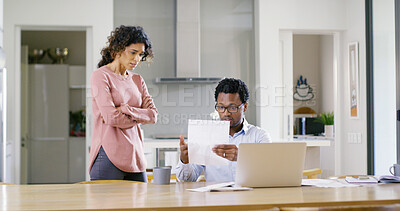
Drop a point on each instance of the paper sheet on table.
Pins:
(326, 183)
(203, 135)
(221, 187)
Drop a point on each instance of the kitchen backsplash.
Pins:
(176, 103)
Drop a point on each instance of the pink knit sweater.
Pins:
(119, 132)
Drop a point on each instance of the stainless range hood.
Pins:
(187, 80)
(188, 45)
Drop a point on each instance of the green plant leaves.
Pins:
(326, 118)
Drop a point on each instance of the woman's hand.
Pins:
(120, 110)
(147, 102)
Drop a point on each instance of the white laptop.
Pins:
(278, 164)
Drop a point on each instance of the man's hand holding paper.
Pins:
(227, 151)
(184, 150)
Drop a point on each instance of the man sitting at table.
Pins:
(231, 96)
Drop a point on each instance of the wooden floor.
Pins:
(125, 196)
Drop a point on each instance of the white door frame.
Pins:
(17, 86)
(286, 67)
(286, 54)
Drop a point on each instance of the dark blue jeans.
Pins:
(103, 169)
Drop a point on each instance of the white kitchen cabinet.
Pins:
(57, 161)
(48, 123)
(76, 159)
(48, 161)
(54, 157)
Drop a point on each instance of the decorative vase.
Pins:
(329, 131)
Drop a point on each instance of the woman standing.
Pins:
(120, 103)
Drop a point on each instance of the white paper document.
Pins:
(326, 183)
(203, 135)
(220, 187)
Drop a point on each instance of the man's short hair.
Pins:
(231, 86)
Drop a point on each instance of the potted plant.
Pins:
(77, 123)
(327, 118)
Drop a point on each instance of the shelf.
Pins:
(77, 87)
(311, 137)
(80, 138)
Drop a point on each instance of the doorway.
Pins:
(309, 59)
(313, 72)
(53, 103)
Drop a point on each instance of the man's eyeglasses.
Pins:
(231, 109)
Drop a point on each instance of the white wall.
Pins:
(94, 15)
(2, 165)
(347, 19)
(384, 85)
(306, 62)
(354, 156)
(272, 16)
(325, 78)
(1, 22)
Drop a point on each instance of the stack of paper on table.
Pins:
(373, 179)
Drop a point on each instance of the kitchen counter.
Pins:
(318, 141)
(312, 137)
(312, 160)
(314, 141)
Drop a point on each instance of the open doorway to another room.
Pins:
(312, 79)
(313, 95)
(53, 103)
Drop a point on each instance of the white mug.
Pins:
(396, 170)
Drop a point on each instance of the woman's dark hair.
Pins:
(232, 85)
(124, 36)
